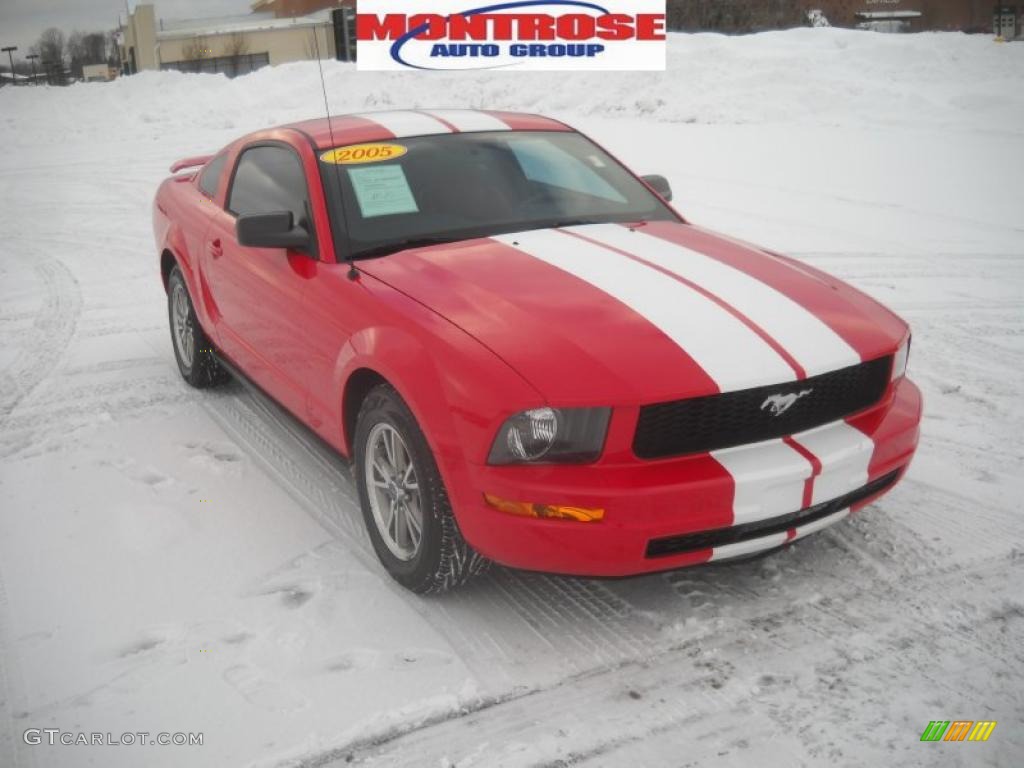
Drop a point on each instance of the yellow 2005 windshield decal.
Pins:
(363, 153)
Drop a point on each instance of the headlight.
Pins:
(900, 360)
(551, 434)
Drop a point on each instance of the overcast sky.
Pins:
(21, 21)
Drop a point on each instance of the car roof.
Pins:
(398, 124)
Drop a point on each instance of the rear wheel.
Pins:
(196, 359)
(405, 505)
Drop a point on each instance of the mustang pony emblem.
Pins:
(779, 404)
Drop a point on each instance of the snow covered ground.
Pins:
(182, 561)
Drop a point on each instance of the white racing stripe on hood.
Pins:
(403, 124)
(812, 343)
(733, 355)
(469, 120)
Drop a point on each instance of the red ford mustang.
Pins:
(529, 356)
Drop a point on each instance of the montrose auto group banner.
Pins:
(517, 35)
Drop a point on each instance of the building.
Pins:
(925, 15)
(98, 73)
(290, 8)
(275, 32)
(888, 20)
(7, 78)
(1008, 21)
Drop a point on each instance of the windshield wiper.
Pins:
(404, 245)
(386, 249)
(561, 223)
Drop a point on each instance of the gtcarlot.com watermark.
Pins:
(54, 736)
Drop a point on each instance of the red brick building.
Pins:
(923, 15)
(286, 8)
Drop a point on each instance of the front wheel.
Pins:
(405, 505)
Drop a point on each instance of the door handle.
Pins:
(215, 249)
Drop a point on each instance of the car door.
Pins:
(258, 292)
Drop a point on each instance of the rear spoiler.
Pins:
(190, 162)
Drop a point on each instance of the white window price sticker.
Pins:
(382, 190)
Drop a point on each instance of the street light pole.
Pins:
(9, 50)
(32, 59)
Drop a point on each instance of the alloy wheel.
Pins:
(184, 333)
(394, 492)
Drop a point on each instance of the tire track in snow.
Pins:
(580, 624)
(509, 730)
(673, 699)
(12, 690)
(42, 423)
(573, 629)
(49, 336)
(569, 626)
(527, 636)
(7, 694)
(957, 540)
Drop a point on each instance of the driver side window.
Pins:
(270, 179)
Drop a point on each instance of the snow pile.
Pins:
(825, 76)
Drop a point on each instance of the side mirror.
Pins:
(660, 185)
(270, 230)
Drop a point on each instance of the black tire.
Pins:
(197, 360)
(443, 559)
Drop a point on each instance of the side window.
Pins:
(267, 180)
(210, 178)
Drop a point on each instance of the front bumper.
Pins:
(747, 499)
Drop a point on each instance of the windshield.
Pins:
(403, 192)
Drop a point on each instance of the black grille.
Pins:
(675, 545)
(736, 418)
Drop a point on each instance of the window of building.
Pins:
(231, 66)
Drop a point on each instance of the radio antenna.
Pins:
(353, 273)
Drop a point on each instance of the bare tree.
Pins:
(195, 52)
(95, 44)
(86, 48)
(76, 52)
(50, 47)
(235, 49)
(113, 49)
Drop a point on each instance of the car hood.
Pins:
(629, 314)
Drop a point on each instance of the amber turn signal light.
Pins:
(544, 511)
